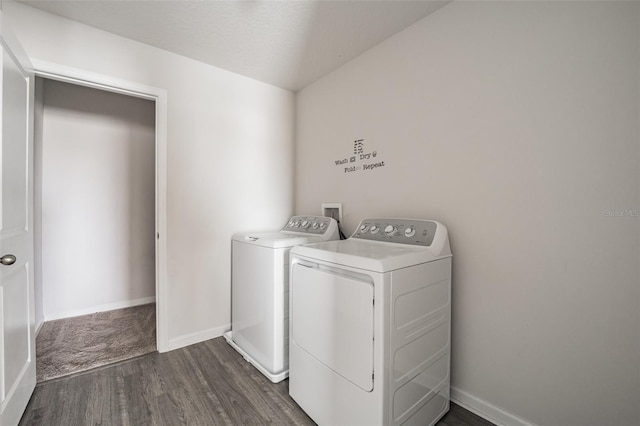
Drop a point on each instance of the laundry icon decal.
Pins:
(358, 146)
(360, 160)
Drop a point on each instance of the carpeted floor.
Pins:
(72, 345)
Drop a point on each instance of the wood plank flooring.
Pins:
(204, 384)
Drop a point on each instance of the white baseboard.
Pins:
(193, 338)
(99, 308)
(486, 410)
(38, 327)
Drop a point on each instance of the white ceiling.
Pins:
(287, 43)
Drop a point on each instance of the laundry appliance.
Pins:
(370, 325)
(260, 291)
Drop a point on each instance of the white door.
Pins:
(17, 320)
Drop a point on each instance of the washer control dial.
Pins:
(391, 230)
(305, 224)
(410, 232)
(375, 229)
(364, 229)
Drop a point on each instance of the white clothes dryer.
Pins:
(370, 325)
(260, 291)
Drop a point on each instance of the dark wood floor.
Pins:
(203, 384)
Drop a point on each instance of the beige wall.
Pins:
(516, 125)
(229, 153)
(98, 200)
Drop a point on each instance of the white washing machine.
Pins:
(260, 291)
(370, 325)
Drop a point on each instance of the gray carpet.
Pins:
(72, 345)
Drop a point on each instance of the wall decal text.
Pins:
(360, 160)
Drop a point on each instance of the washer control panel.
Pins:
(405, 231)
(316, 225)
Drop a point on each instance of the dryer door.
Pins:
(332, 320)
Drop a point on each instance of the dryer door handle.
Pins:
(343, 273)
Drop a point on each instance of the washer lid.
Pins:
(298, 230)
(276, 239)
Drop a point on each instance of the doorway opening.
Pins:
(99, 215)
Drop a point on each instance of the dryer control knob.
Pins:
(323, 225)
(375, 229)
(364, 229)
(315, 225)
(391, 230)
(410, 232)
(305, 224)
